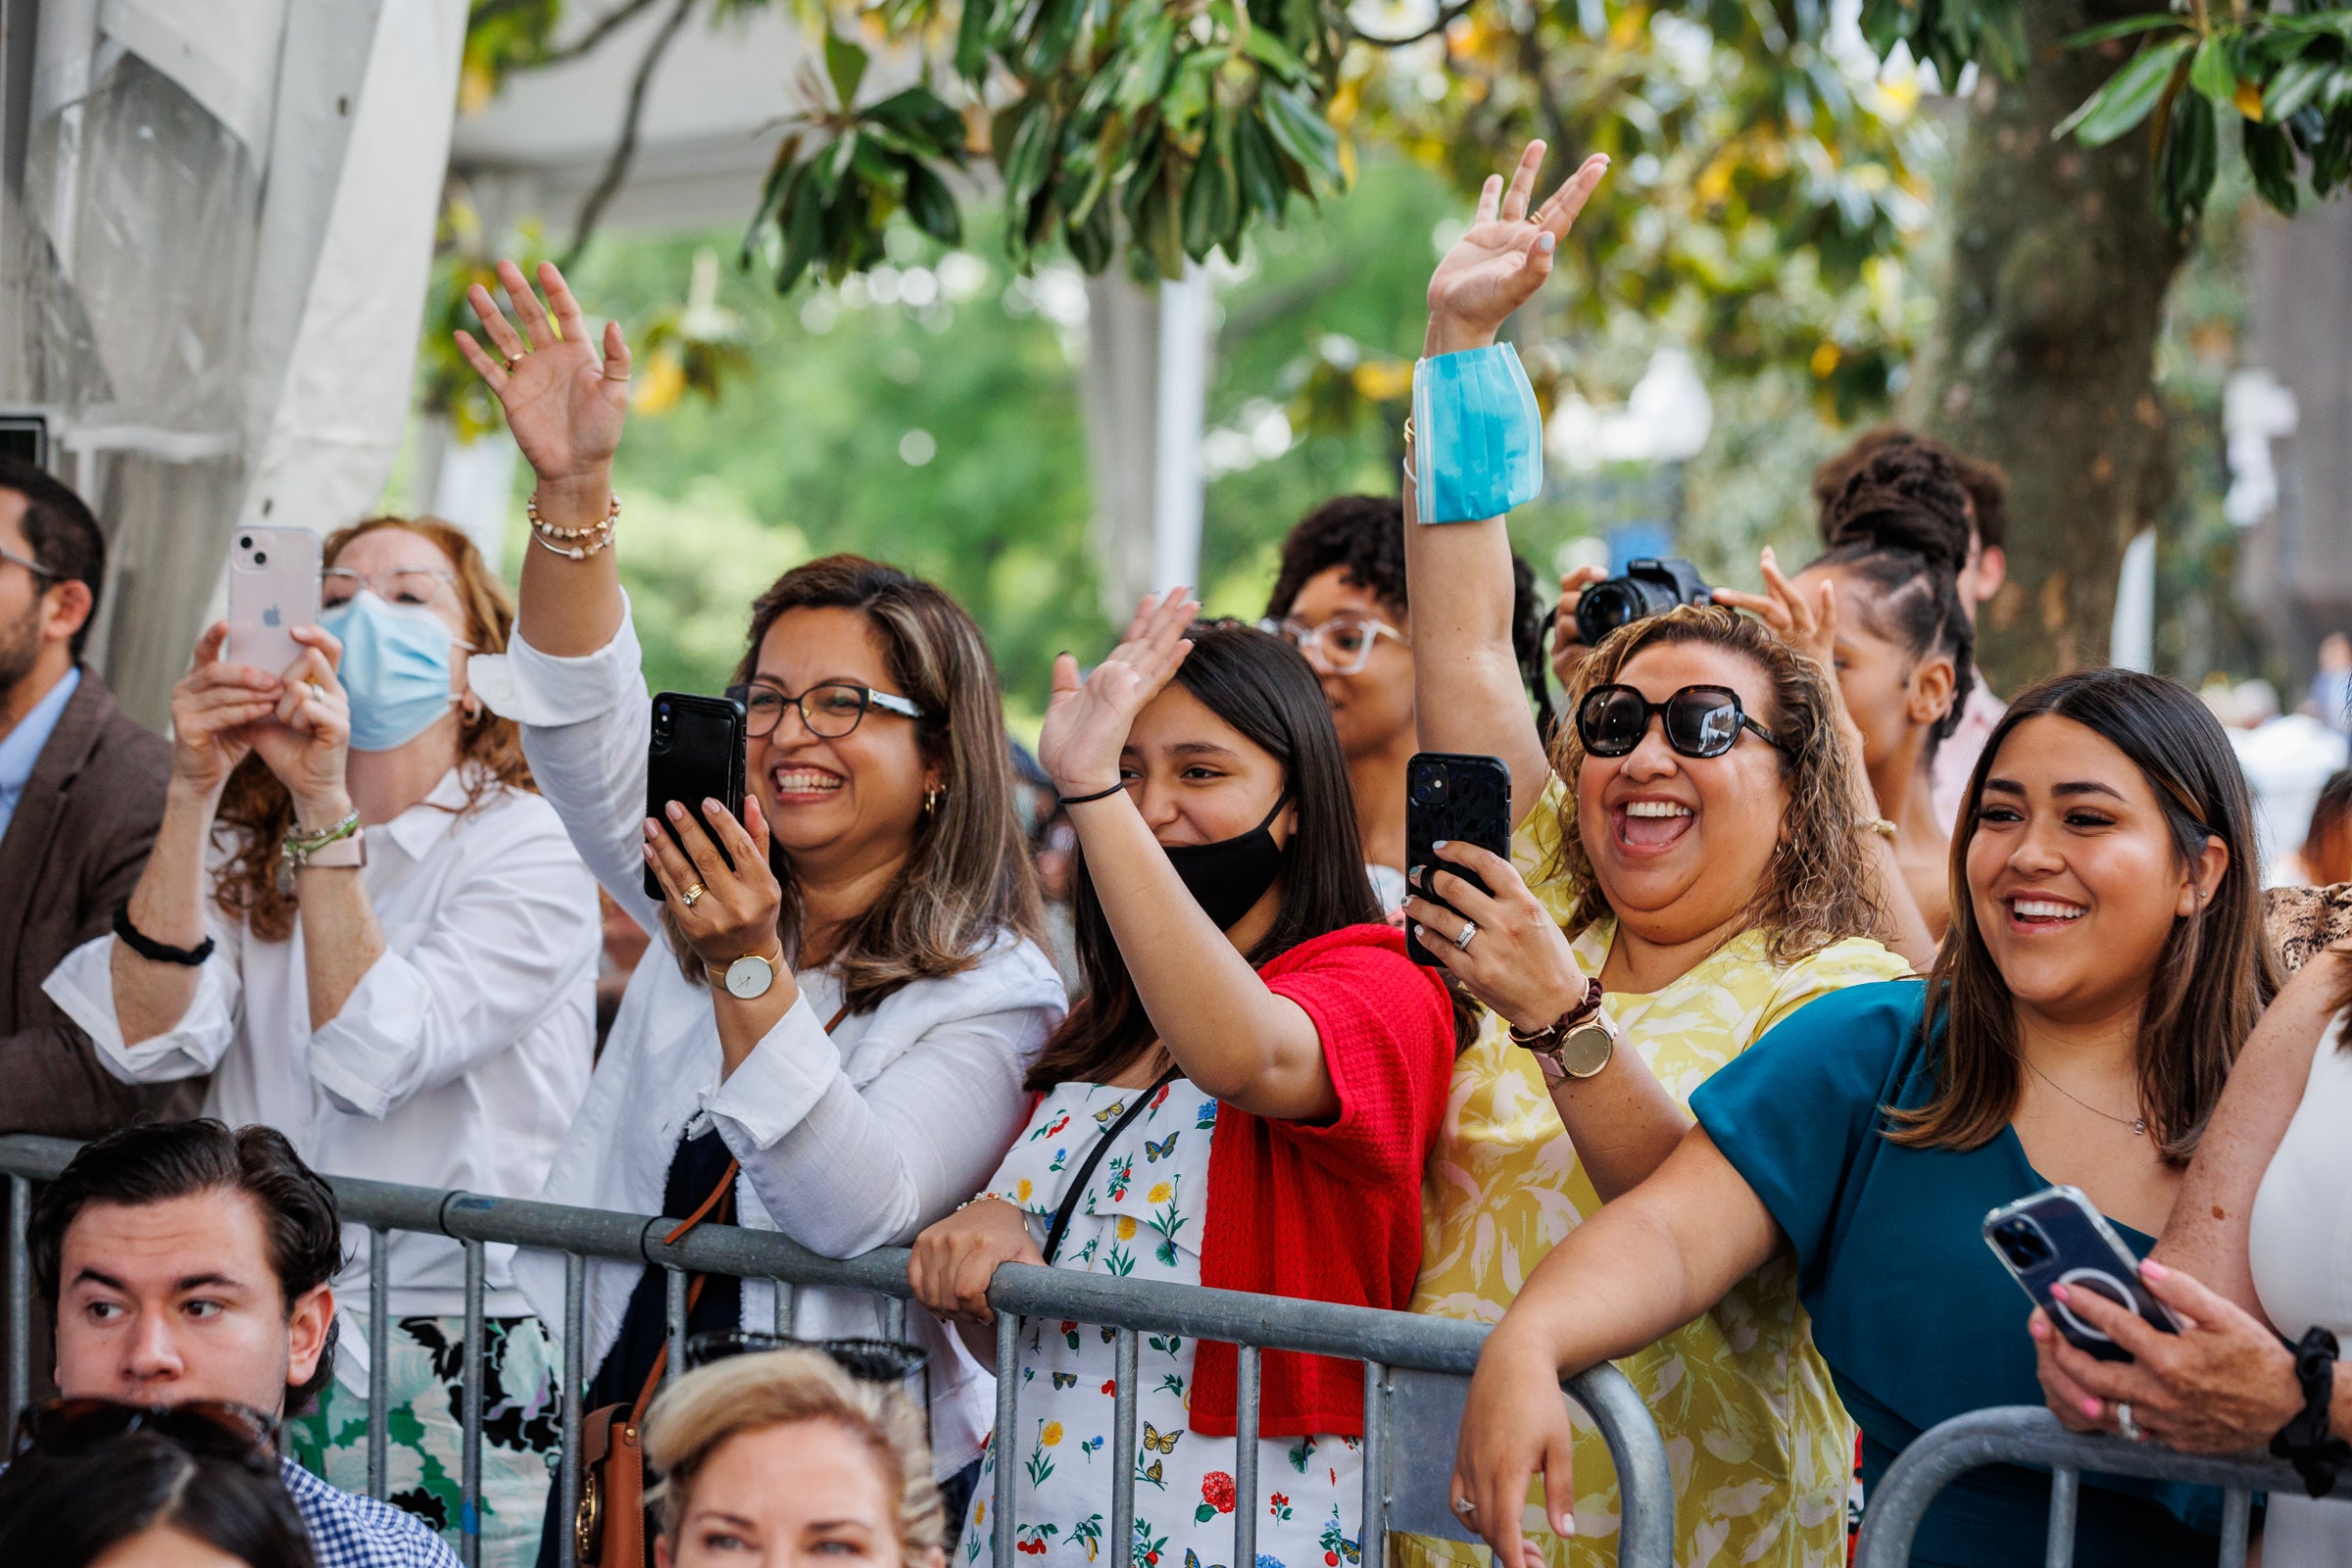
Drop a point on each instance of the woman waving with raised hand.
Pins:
(1242, 1099)
(860, 957)
(1689, 869)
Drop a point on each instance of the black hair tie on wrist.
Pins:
(1098, 795)
(2304, 1442)
(146, 947)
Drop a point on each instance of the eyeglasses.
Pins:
(1342, 645)
(395, 585)
(866, 1361)
(31, 566)
(209, 1427)
(828, 712)
(1701, 721)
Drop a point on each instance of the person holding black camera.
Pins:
(1695, 882)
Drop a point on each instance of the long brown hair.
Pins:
(1819, 887)
(255, 806)
(968, 878)
(2210, 982)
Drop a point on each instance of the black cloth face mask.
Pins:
(1227, 878)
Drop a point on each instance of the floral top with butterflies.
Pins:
(1141, 1216)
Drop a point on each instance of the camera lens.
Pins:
(260, 557)
(1429, 787)
(245, 543)
(2023, 1244)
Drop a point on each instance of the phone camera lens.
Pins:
(245, 543)
(260, 557)
(1429, 787)
(2023, 1244)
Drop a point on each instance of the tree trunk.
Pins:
(2043, 356)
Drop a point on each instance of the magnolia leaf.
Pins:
(2125, 99)
(846, 64)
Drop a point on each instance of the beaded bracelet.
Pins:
(540, 526)
(572, 551)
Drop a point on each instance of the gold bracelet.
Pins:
(1879, 825)
(572, 551)
(540, 526)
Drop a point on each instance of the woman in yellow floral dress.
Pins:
(1691, 865)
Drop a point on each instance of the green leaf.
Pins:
(1301, 132)
(2332, 160)
(932, 206)
(784, 175)
(2123, 99)
(846, 64)
(919, 112)
(803, 234)
(1092, 238)
(1259, 167)
(2123, 28)
(2212, 73)
(1032, 156)
(975, 33)
(2271, 159)
(1275, 55)
(2185, 162)
(2296, 84)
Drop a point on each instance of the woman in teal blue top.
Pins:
(2104, 966)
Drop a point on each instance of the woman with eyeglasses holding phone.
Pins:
(1691, 872)
(853, 953)
(1339, 595)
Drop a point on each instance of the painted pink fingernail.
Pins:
(2058, 1293)
(651, 827)
(2037, 1328)
(2090, 1408)
(677, 812)
(2154, 1270)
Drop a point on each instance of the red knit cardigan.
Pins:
(1329, 1212)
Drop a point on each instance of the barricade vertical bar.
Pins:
(20, 1298)
(1244, 1456)
(783, 1308)
(1127, 1363)
(470, 1536)
(893, 1319)
(1375, 1538)
(575, 1378)
(1001, 1444)
(2237, 1521)
(677, 1327)
(380, 1362)
(2066, 1491)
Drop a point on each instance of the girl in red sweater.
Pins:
(1243, 1100)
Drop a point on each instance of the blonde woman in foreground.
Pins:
(756, 1470)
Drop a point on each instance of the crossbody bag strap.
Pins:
(1093, 1157)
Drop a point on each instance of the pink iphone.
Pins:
(273, 588)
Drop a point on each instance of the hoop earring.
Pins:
(932, 797)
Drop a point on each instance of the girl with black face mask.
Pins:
(1243, 1098)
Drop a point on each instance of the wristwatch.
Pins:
(749, 977)
(1580, 1043)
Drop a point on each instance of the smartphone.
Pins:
(273, 588)
(695, 755)
(1459, 799)
(2057, 1238)
(25, 437)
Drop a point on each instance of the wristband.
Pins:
(2304, 1443)
(153, 951)
(1479, 445)
(1098, 795)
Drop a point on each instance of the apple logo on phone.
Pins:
(271, 616)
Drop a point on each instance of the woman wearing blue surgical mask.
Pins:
(360, 919)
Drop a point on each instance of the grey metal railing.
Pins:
(1416, 1368)
(2027, 1435)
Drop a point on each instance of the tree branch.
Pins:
(1447, 17)
(606, 26)
(617, 168)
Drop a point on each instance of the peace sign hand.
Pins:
(1505, 255)
(565, 403)
(1086, 721)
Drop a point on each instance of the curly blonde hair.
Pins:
(696, 1414)
(1821, 885)
(254, 808)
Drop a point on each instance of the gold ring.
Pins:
(693, 893)
(513, 360)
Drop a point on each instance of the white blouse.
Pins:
(458, 1061)
(847, 1142)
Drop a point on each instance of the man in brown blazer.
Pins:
(81, 790)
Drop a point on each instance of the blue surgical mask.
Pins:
(396, 664)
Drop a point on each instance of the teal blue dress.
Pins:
(1915, 1316)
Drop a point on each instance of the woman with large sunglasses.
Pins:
(839, 1049)
(1689, 871)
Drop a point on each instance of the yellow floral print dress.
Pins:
(1762, 1452)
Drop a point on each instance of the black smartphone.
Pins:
(1459, 799)
(2057, 1238)
(695, 755)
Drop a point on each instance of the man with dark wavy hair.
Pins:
(189, 1263)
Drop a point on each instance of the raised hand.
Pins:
(565, 402)
(1505, 255)
(1086, 721)
(1806, 623)
(213, 709)
(307, 739)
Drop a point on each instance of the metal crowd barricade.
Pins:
(2027, 1435)
(1415, 1368)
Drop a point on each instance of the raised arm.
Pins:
(1467, 694)
(565, 404)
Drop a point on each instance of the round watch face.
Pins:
(749, 977)
(1585, 1048)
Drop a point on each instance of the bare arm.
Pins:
(1644, 1265)
(1467, 693)
(565, 404)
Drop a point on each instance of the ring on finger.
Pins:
(1462, 938)
(2126, 1425)
(1464, 1506)
(693, 893)
(513, 360)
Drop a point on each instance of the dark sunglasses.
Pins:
(1701, 721)
(866, 1361)
(212, 1428)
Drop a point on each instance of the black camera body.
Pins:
(1649, 587)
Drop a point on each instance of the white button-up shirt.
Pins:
(847, 1142)
(458, 1059)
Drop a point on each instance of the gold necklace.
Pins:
(2139, 1124)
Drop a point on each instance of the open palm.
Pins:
(565, 402)
(1086, 721)
(1507, 253)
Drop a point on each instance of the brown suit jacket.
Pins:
(68, 861)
